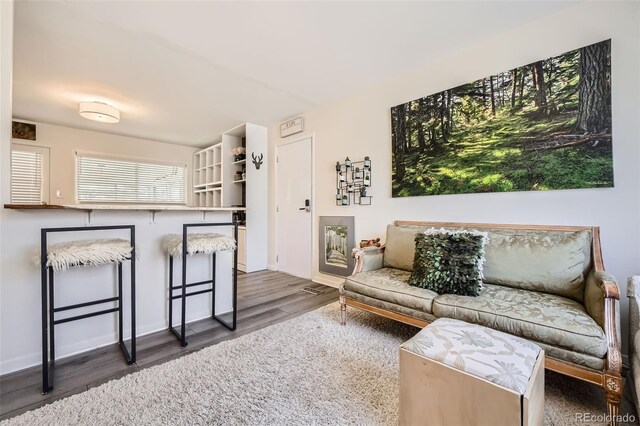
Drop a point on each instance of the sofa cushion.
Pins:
(391, 285)
(449, 262)
(400, 247)
(548, 261)
(388, 306)
(541, 317)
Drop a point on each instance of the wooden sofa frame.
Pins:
(610, 378)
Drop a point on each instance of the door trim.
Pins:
(312, 240)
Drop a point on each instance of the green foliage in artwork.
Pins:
(448, 263)
(521, 130)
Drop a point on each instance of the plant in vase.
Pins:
(239, 153)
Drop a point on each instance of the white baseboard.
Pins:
(329, 280)
(34, 359)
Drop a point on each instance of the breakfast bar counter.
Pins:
(21, 277)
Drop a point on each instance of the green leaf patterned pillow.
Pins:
(449, 262)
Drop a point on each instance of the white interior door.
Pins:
(294, 164)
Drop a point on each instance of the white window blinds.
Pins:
(26, 177)
(102, 179)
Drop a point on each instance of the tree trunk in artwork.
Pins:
(443, 110)
(541, 88)
(593, 105)
(422, 110)
(399, 141)
(493, 97)
(523, 72)
(514, 82)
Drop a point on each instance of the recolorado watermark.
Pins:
(604, 418)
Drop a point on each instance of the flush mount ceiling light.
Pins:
(98, 111)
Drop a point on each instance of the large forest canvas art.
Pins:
(542, 126)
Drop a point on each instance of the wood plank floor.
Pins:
(264, 298)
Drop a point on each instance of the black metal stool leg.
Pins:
(170, 292)
(183, 299)
(133, 297)
(45, 323)
(213, 285)
(120, 315)
(52, 340)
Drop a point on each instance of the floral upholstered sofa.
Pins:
(543, 283)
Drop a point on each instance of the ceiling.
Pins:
(184, 72)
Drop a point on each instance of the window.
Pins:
(29, 174)
(108, 180)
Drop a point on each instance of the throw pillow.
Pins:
(449, 262)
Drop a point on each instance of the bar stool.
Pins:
(62, 256)
(210, 244)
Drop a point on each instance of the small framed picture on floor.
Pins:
(336, 240)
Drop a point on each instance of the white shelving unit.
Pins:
(207, 177)
(215, 185)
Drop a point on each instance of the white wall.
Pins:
(360, 125)
(63, 142)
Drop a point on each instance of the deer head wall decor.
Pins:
(257, 161)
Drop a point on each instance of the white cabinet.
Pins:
(242, 249)
(222, 180)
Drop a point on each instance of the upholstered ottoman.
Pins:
(456, 373)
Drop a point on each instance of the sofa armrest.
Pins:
(599, 285)
(633, 291)
(368, 259)
(611, 316)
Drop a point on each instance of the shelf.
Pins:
(240, 162)
(136, 207)
(200, 191)
(240, 181)
(218, 164)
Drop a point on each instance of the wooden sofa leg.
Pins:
(613, 389)
(343, 311)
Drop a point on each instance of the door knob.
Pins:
(307, 206)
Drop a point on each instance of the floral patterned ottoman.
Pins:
(456, 373)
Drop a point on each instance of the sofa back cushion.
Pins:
(400, 247)
(554, 262)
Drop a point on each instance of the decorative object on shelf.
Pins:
(257, 161)
(239, 175)
(239, 153)
(370, 243)
(244, 173)
(336, 240)
(352, 179)
(20, 130)
(550, 131)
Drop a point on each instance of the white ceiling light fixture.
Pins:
(99, 111)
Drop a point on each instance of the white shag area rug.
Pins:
(307, 370)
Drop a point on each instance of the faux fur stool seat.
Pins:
(198, 243)
(62, 256)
